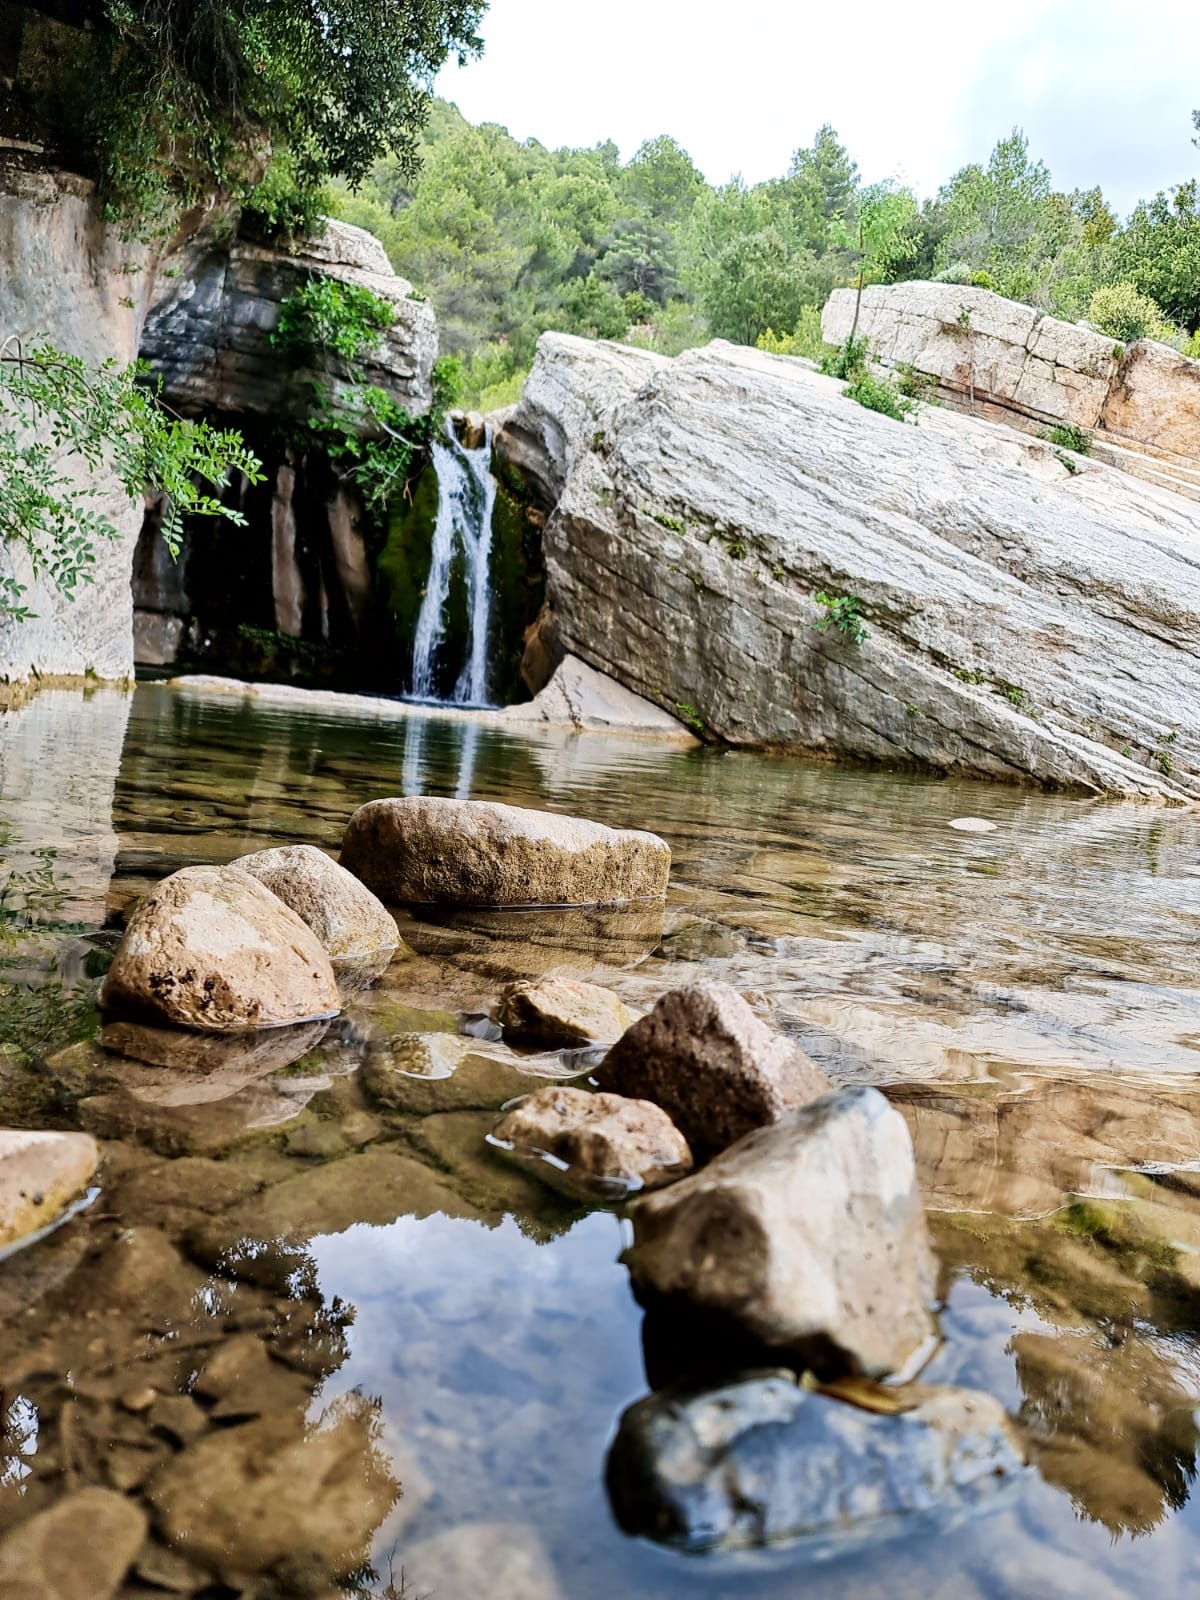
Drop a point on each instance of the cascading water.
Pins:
(466, 499)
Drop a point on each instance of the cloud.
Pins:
(1104, 94)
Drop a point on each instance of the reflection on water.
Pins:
(313, 1311)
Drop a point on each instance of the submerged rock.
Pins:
(213, 949)
(346, 917)
(480, 853)
(716, 1069)
(561, 1013)
(40, 1174)
(630, 1142)
(247, 1498)
(809, 1236)
(762, 1459)
(80, 1549)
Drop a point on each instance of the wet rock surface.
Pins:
(762, 1459)
(345, 916)
(214, 950)
(40, 1174)
(480, 853)
(561, 1013)
(79, 1549)
(630, 1143)
(715, 1067)
(808, 1235)
(273, 1494)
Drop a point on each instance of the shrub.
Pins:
(914, 385)
(327, 317)
(1121, 311)
(843, 612)
(984, 280)
(1068, 437)
(848, 361)
(805, 340)
(876, 394)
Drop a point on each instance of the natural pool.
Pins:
(1028, 997)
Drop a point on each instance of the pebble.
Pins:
(973, 825)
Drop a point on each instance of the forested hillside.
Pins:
(508, 239)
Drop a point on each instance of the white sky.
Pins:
(1103, 88)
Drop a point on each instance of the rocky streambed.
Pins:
(332, 1323)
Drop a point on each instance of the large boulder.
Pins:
(809, 1236)
(561, 1013)
(211, 948)
(1006, 585)
(761, 1459)
(626, 1144)
(715, 1067)
(40, 1174)
(478, 853)
(346, 917)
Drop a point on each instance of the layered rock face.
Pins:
(209, 332)
(302, 573)
(68, 280)
(1007, 361)
(1028, 617)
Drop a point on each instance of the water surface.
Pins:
(1028, 997)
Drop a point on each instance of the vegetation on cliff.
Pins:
(509, 239)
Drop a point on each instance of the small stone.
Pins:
(562, 1014)
(716, 1069)
(972, 825)
(240, 1359)
(808, 1236)
(138, 1400)
(479, 853)
(40, 1175)
(178, 1416)
(760, 1460)
(79, 1549)
(211, 948)
(631, 1142)
(345, 916)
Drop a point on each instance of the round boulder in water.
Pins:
(40, 1174)
(212, 948)
(631, 1143)
(352, 925)
(425, 851)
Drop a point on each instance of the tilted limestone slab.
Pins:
(1027, 618)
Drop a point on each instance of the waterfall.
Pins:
(466, 497)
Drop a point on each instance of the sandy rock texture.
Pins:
(480, 853)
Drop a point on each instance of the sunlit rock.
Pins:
(481, 853)
(212, 949)
(40, 1174)
(351, 924)
(561, 1013)
(809, 1236)
(761, 1460)
(715, 1067)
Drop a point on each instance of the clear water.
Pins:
(1028, 997)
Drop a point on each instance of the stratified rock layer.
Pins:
(761, 1460)
(808, 1236)
(715, 1067)
(1029, 615)
(211, 948)
(478, 853)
